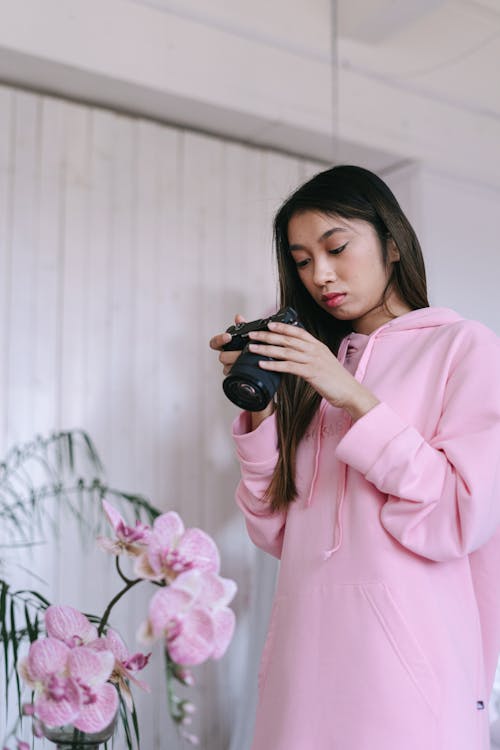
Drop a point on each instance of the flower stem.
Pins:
(114, 600)
(171, 697)
(120, 572)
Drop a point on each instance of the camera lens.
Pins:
(248, 385)
(247, 390)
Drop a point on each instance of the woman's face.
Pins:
(340, 263)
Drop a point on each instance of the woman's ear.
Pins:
(392, 250)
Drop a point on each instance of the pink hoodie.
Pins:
(385, 627)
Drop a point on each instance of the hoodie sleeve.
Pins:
(443, 494)
(257, 452)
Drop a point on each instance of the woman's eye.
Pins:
(337, 250)
(302, 263)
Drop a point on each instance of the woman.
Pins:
(375, 478)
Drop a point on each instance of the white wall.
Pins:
(457, 224)
(124, 245)
(462, 245)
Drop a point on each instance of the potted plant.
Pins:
(72, 672)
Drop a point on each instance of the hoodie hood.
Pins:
(427, 317)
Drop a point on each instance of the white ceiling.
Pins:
(392, 80)
(449, 50)
(373, 22)
(444, 49)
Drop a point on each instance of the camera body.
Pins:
(240, 331)
(248, 385)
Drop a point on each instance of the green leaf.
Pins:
(135, 723)
(15, 644)
(125, 724)
(4, 636)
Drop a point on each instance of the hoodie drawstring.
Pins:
(324, 407)
(341, 486)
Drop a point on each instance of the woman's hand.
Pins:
(227, 359)
(298, 353)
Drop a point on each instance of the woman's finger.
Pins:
(280, 352)
(278, 339)
(228, 358)
(283, 365)
(289, 330)
(218, 341)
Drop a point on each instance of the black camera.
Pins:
(248, 385)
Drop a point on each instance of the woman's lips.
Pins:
(333, 300)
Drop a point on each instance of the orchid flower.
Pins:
(214, 593)
(172, 550)
(129, 539)
(57, 696)
(70, 684)
(69, 625)
(91, 670)
(192, 616)
(125, 664)
(78, 671)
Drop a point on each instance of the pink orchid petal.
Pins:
(213, 590)
(109, 545)
(145, 634)
(216, 591)
(140, 683)
(230, 589)
(38, 728)
(136, 662)
(113, 516)
(191, 581)
(209, 589)
(111, 642)
(156, 551)
(224, 623)
(64, 710)
(197, 546)
(25, 674)
(168, 528)
(69, 625)
(47, 656)
(195, 642)
(98, 714)
(166, 605)
(144, 569)
(90, 667)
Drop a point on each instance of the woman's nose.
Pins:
(324, 272)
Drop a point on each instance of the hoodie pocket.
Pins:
(404, 643)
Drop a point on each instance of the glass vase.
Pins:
(69, 738)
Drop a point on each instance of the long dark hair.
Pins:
(351, 193)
